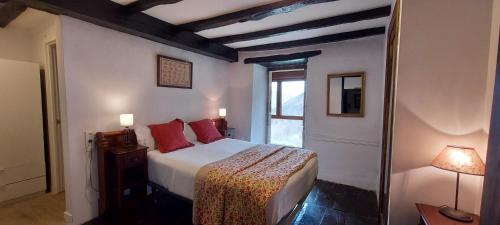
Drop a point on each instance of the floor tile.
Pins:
(333, 217)
(327, 204)
(360, 220)
(310, 215)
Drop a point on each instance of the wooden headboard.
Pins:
(105, 141)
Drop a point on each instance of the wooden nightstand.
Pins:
(228, 133)
(128, 170)
(429, 215)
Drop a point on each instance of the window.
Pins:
(287, 108)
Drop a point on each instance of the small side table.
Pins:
(228, 133)
(429, 215)
(128, 170)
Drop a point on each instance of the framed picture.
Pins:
(174, 73)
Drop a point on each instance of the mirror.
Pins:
(345, 94)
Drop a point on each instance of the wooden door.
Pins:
(490, 209)
(391, 66)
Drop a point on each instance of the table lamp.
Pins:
(221, 122)
(127, 120)
(460, 160)
(222, 112)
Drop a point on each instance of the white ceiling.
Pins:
(308, 13)
(297, 35)
(193, 10)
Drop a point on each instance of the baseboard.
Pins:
(68, 218)
(23, 198)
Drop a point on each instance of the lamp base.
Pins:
(455, 214)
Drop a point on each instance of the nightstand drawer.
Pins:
(133, 159)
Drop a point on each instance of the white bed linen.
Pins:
(176, 171)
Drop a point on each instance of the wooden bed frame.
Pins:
(106, 140)
(160, 193)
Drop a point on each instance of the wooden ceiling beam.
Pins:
(10, 11)
(284, 62)
(251, 14)
(143, 5)
(115, 16)
(281, 58)
(317, 40)
(327, 22)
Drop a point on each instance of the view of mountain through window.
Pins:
(287, 112)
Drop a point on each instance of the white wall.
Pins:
(41, 36)
(440, 100)
(240, 99)
(259, 104)
(108, 73)
(21, 40)
(492, 63)
(16, 44)
(248, 101)
(348, 148)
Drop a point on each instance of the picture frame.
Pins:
(346, 102)
(174, 73)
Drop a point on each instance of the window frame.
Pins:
(293, 74)
(280, 77)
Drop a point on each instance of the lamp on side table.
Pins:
(127, 120)
(460, 160)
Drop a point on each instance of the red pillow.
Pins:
(205, 131)
(169, 136)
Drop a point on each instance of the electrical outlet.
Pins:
(89, 140)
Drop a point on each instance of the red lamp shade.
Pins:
(459, 159)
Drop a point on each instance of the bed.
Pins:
(175, 173)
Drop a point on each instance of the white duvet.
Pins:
(176, 171)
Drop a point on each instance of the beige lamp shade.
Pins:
(222, 112)
(126, 120)
(459, 159)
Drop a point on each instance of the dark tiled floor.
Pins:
(336, 204)
(327, 204)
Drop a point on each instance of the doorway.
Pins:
(54, 118)
(286, 107)
(31, 168)
(391, 69)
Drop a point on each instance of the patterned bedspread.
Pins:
(237, 190)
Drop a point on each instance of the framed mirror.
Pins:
(346, 94)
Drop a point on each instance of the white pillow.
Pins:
(144, 137)
(189, 133)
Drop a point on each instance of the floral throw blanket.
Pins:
(237, 190)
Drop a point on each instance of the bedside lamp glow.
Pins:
(126, 120)
(460, 160)
(222, 112)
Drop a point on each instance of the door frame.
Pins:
(388, 116)
(53, 89)
(490, 207)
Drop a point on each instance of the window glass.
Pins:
(292, 98)
(287, 132)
